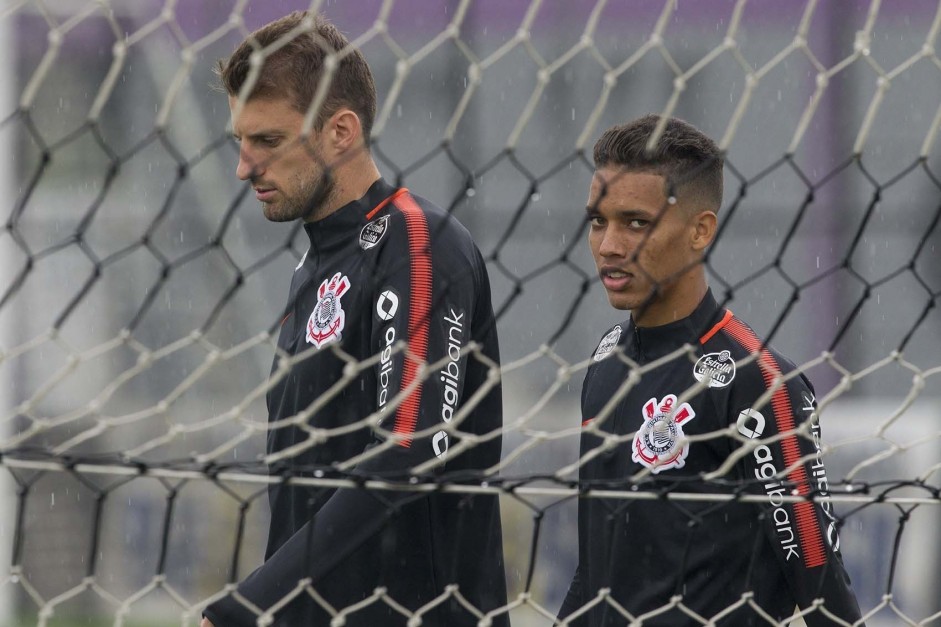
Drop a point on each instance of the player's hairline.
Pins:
(670, 190)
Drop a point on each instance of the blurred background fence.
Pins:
(123, 234)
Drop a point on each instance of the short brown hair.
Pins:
(294, 68)
(683, 156)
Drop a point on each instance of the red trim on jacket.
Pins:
(808, 525)
(419, 317)
(718, 327)
(385, 202)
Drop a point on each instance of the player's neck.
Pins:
(351, 180)
(354, 179)
(676, 302)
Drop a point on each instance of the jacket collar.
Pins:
(654, 342)
(338, 228)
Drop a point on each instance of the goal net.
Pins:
(141, 287)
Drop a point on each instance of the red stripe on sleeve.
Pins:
(718, 326)
(808, 525)
(399, 192)
(419, 317)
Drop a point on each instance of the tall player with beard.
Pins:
(389, 278)
(652, 216)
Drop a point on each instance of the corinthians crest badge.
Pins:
(327, 319)
(657, 442)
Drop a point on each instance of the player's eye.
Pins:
(596, 221)
(269, 142)
(638, 224)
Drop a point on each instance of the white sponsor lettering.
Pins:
(718, 369)
(450, 377)
(385, 368)
(819, 472)
(751, 424)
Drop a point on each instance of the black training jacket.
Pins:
(390, 283)
(704, 411)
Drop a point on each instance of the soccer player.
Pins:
(715, 410)
(389, 284)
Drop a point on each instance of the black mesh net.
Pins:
(141, 289)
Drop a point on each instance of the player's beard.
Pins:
(314, 192)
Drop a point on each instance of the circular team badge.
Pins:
(716, 368)
(660, 443)
(370, 235)
(659, 435)
(608, 343)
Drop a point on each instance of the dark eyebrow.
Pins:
(266, 133)
(623, 214)
(261, 134)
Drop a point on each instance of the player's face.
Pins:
(287, 171)
(644, 247)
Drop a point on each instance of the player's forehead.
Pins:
(617, 188)
(264, 113)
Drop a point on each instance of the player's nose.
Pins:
(247, 167)
(612, 244)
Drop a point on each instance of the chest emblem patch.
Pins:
(657, 444)
(373, 232)
(718, 369)
(326, 321)
(608, 343)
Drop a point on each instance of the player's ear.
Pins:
(343, 130)
(704, 230)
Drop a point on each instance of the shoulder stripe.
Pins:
(808, 524)
(385, 202)
(419, 317)
(718, 326)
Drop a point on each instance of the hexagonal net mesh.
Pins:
(142, 293)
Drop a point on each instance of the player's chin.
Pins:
(277, 213)
(634, 299)
(621, 300)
